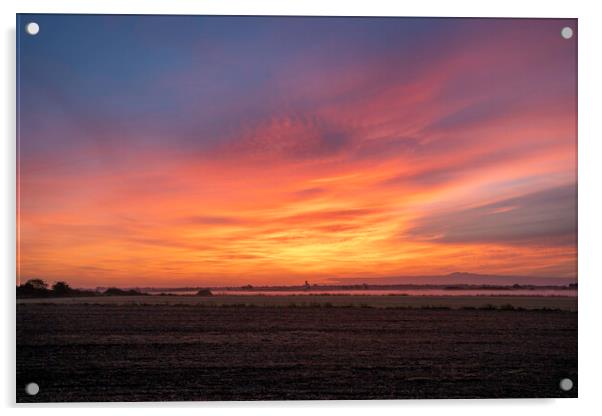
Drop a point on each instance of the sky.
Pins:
(225, 151)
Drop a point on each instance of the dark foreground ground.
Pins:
(566, 303)
(157, 352)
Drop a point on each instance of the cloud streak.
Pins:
(544, 218)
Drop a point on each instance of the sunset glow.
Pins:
(229, 151)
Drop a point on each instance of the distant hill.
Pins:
(460, 278)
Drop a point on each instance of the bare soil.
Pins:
(108, 351)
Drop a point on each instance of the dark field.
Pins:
(567, 303)
(156, 352)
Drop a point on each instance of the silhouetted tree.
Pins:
(37, 288)
(61, 289)
(33, 288)
(37, 284)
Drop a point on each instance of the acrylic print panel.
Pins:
(292, 208)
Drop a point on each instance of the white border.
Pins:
(590, 192)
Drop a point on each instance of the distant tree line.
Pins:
(38, 288)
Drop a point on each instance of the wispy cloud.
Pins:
(543, 218)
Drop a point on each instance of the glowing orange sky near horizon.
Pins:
(342, 162)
